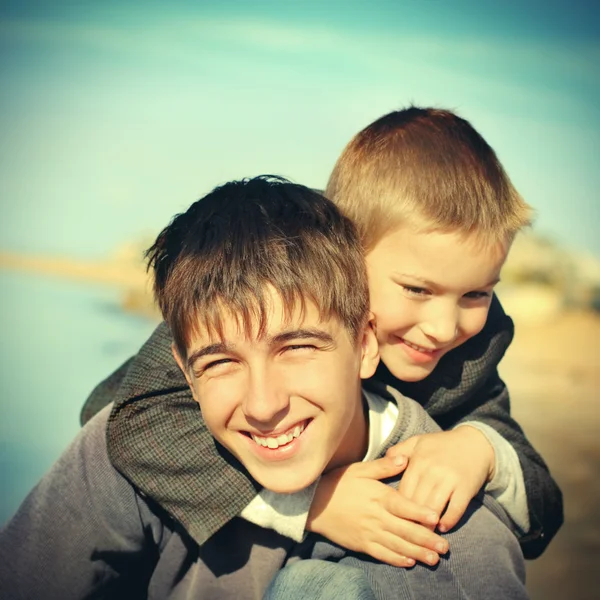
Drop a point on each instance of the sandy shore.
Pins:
(552, 370)
(102, 272)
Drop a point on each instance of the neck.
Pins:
(353, 446)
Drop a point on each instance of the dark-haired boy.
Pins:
(264, 286)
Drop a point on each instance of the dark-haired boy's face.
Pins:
(287, 404)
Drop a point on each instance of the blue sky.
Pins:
(115, 115)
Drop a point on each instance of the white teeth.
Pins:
(419, 348)
(281, 440)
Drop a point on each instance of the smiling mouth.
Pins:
(281, 440)
(419, 348)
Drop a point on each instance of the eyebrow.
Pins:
(301, 334)
(280, 338)
(218, 348)
(428, 283)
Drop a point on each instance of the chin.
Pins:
(285, 485)
(409, 373)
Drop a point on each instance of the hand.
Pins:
(445, 469)
(355, 510)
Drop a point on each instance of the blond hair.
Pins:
(430, 169)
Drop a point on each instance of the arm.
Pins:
(80, 531)
(491, 406)
(104, 393)
(465, 387)
(484, 561)
(353, 508)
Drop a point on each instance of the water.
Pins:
(59, 339)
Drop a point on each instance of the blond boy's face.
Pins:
(430, 292)
(288, 403)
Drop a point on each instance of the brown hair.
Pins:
(219, 256)
(428, 168)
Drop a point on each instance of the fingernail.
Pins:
(443, 528)
(431, 558)
(441, 547)
(399, 460)
(432, 519)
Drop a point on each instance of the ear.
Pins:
(180, 362)
(369, 349)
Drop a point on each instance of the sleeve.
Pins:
(80, 533)
(152, 371)
(466, 386)
(470, 389)
(491, 406)
(507, 486)
(104, 393)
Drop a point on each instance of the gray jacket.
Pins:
(86, 532)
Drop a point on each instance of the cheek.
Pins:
(329, 383)
(218, 403)
(473, 322)
(393, 313)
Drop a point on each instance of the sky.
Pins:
(116, 115)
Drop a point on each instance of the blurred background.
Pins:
(116, 115)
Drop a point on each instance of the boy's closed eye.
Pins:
(224, 364)
(299, 347)
(213, 365)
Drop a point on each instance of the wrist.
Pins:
(472, 431)
(320, 500)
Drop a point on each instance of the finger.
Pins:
(385, 555)
(382, 468)
(425, 490)
(403, 508)
(409, 482)
(408, 549)
(412, 540)
(439, 496)
(456, 509)
(406, 447)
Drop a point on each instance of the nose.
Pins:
(265, 401)
(441, 322)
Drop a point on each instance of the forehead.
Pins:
(445, 258)
(257, 320)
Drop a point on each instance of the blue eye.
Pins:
(477, 295)
(415, 291)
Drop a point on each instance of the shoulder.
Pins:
(86, 477)
(86, 465)
(150, 370)
(410, 418)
